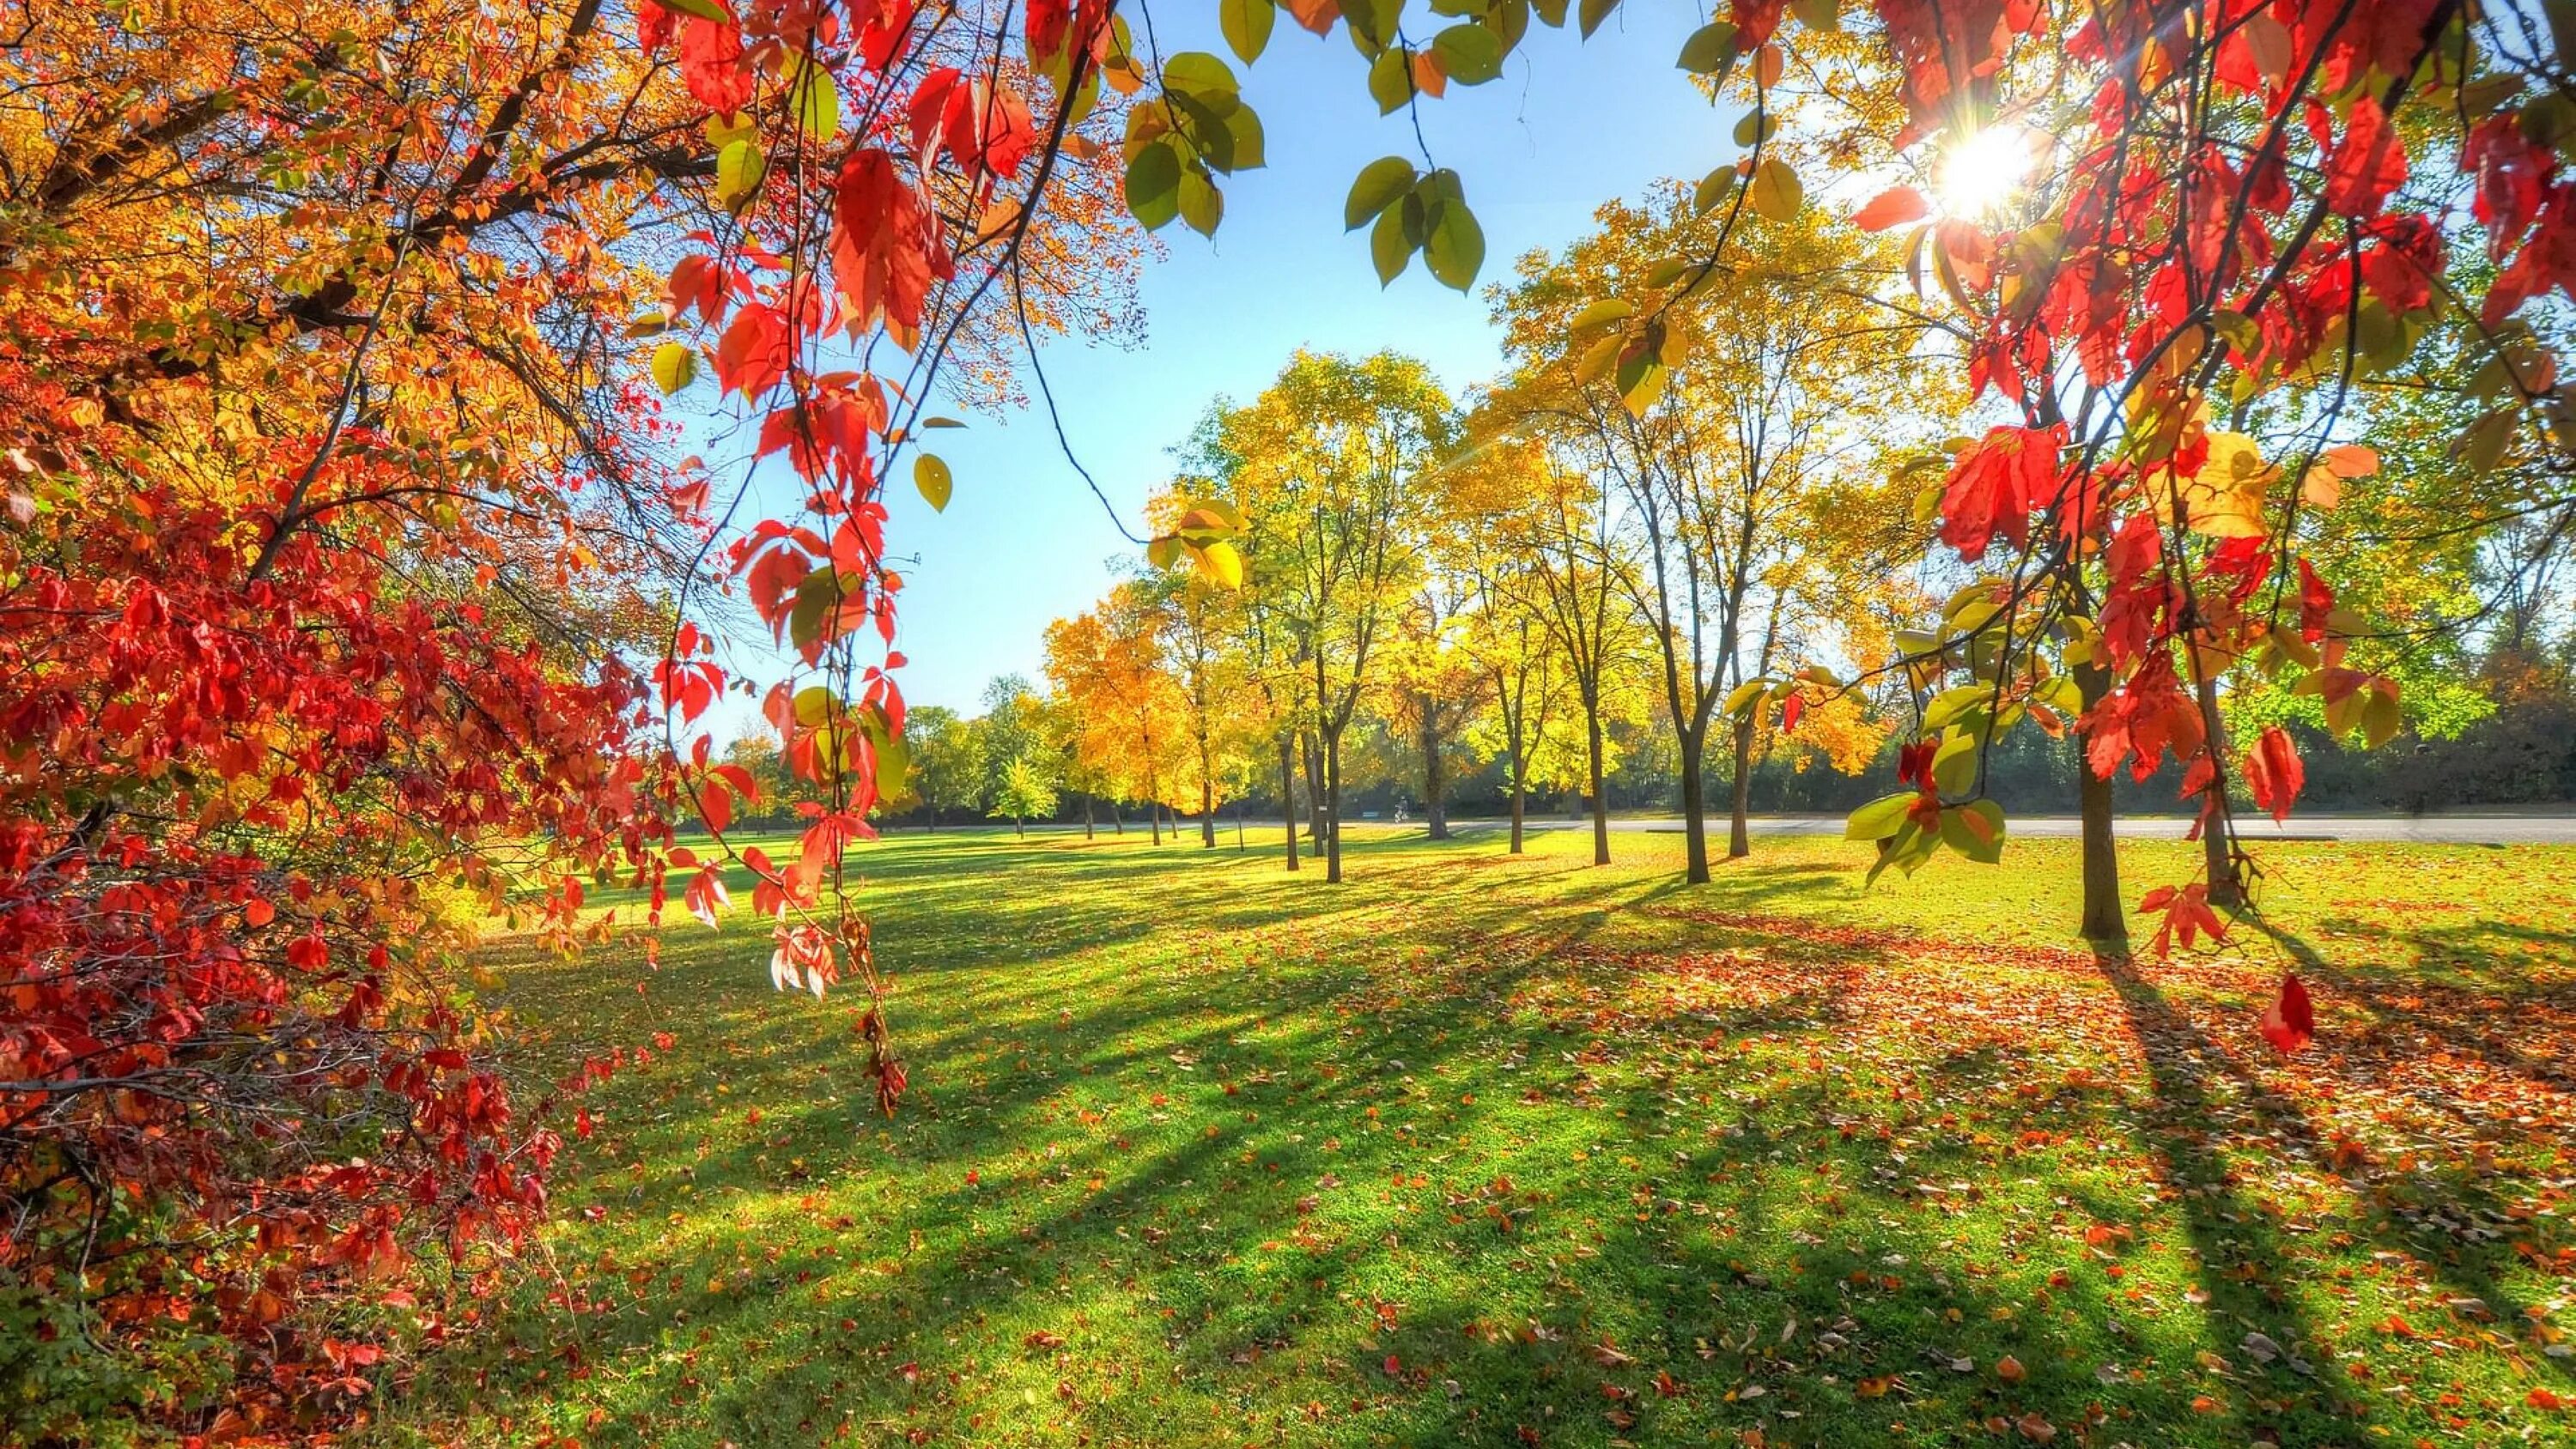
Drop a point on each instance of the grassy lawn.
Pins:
(1487, 1150)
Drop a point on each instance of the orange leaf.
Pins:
(1892, 207)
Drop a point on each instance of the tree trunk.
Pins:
(2104, 923)
(1088, 832)
(1207, 813)
(1019, 827)
(1600, 801)
(1333, 807)
(2226, 890)
(1154, 815)
(1288, 795)
(1694, 810)
(1519, 790)
(1117, 821)
(1315, 791)
(1434, 810)
(1739, 842)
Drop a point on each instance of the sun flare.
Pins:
(1981, 174)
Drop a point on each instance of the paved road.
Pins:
(2461, 829)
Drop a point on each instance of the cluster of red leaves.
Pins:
(919, 211)
(234, 1079)
(2187, 246)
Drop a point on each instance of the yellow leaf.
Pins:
(1222, 564)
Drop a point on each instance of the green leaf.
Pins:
(1592, 13)
(1372, 23)
(1954, 765)
(1714, 189)
(1243, 129)
(1469, 53)
(1878, 819)
(1776, 191)
(1975, 830)
(1162, 551)
(2482, 445)
(930, 475)
(675, 366)
(1390, 80)
(703, 9)
(1389, 247)
(941, 422)
(1640, 381)
(1601, 313)
(739, 169)
(1710, 49)
(1455, 248)
(1202, 205)
(1755, 127)
(1551, 13)
(816, 100)
(1824, 15)
(1745, 696)
(1198, 73)
(1246, 24)
(1909, 849)
(1375, 189)
(1207, 132)
(1154, 184)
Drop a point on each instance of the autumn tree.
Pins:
(1200, 626)
(1326, 466)
(1721, 468)
(1128, 714)
(1434, 683)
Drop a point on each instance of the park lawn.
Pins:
(1486, 1150)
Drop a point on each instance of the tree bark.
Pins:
(2104, 923)
(1088, 830)
(1739, 842)
(1315, 791)
(1435, 812)
(1288, 795)
(1207, 813)
(2226, 889)
(1117, 821)
(1519, 790)
(1333, 807)
(1600, 801)
(1694, 809)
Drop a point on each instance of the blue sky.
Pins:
(1567, 126)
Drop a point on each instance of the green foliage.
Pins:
(1025, 790)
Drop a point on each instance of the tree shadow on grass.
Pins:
(2214, 1120)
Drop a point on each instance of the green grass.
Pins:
(1487, 1150)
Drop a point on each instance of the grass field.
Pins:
(1487, 1150)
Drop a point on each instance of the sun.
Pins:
(1979, 175)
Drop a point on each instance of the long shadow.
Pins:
(2198, 1084)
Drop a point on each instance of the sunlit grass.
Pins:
(1477, 1149)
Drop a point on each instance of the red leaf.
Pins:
(2274, 772)
(2369, 164)
(1790, 711)
(715, 802)
(1893, 207)
(2291, 1023)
